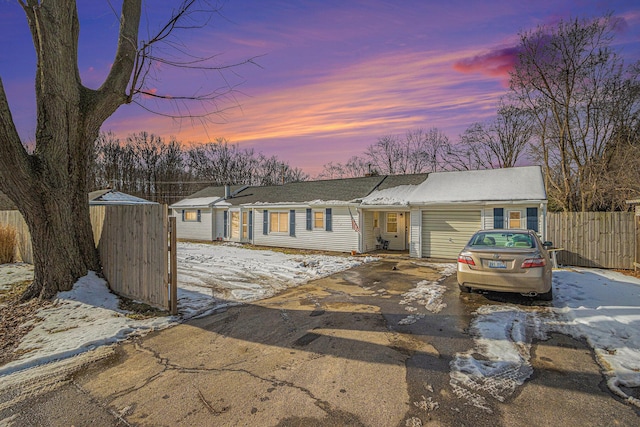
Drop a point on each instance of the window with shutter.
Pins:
(532, 219)
(498, 217)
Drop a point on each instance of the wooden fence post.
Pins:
(636, 262)
(173, 264)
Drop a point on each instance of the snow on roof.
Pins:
(112, 197)
(390, 196)
(521, 183)
(198, 202)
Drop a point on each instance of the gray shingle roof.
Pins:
(396, 180)
(344, 190)
(213, 191)
(306, 191)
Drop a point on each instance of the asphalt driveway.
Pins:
(361, 347)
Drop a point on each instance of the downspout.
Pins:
(361, 233)
(543, 208)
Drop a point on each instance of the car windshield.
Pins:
(502, 239)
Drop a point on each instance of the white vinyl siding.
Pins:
(342, 238)
(195, 230)
(445, 233)
(415, 230)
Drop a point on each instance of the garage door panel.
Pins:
(444, 233)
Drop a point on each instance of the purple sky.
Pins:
(334, 76)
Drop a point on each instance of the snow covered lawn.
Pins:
(209, 277)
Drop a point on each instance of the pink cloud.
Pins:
(336, 115)
(497, 63)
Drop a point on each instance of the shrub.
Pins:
(7, 244)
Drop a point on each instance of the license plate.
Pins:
(497, 264)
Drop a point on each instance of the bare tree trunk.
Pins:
(50, 186)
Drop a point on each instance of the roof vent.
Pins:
(227, 192)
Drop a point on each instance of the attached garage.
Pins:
(444, 233)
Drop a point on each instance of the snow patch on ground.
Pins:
(14, 273)
(210, 277)
(215, 276)
(604, 307)
(599, 305)
(499, 361)
(428, 294)
(79, 320)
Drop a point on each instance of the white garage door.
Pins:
(444, 233)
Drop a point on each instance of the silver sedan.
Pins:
(506, 261)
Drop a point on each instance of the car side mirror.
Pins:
(547, 245)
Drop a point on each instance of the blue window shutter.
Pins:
(329, 226)
(198, 215)
(225, 222)
(309, 220)
(292, 223)
(182, 215)
(498, 217)
(250, 225)
(265, 222)
(532, 219)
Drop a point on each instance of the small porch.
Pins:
(385, 230)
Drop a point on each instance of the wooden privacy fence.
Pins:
(594, 239)
(636, 264)
(23, 249)
(134, 246)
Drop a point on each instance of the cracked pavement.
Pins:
(332, 352)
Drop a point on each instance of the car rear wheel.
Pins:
(464, 289)
(547, 296)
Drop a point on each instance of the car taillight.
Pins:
(465, 259)
(534, 262)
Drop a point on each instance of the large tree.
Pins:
(50, 185)
(584, 101)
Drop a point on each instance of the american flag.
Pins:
(354, 224)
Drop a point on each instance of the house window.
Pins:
(392, 222)
(318, 219)
(515, 219)
(278, 222)
(235, 225)
(191, 215)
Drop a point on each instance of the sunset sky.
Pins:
(332, 76)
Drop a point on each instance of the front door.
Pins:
(395, 230)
